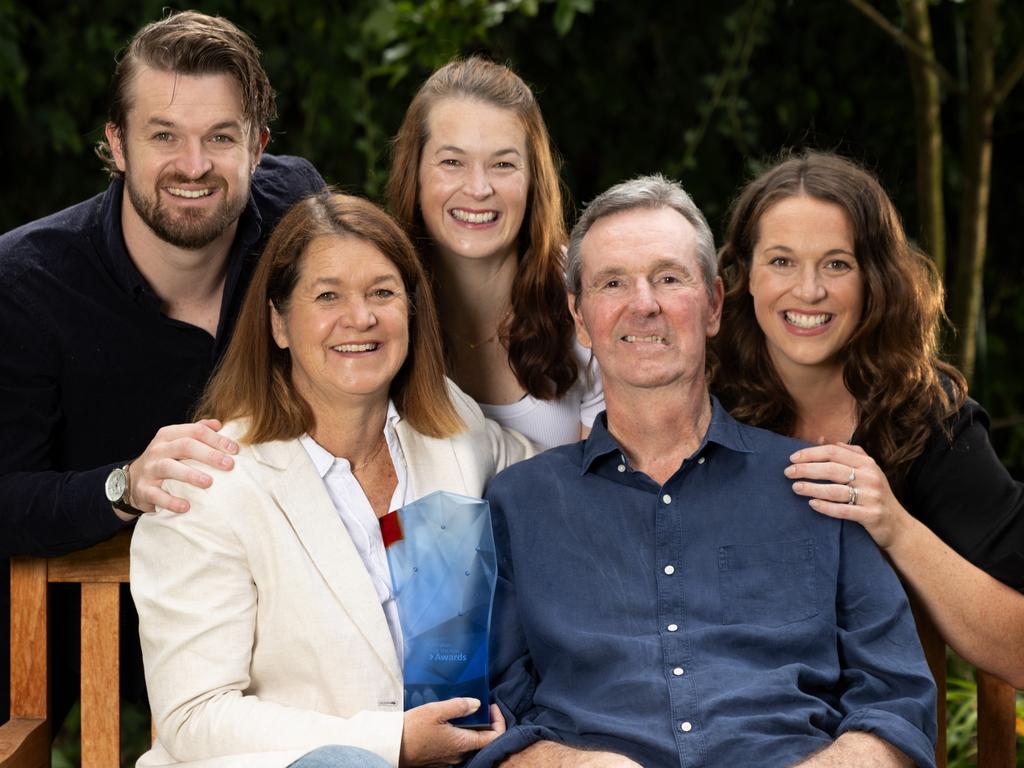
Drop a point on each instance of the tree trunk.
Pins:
(927, 134)
(966, 288)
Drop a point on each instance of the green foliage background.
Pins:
(705, 92)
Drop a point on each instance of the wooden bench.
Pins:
(25, 739)
(997, 712)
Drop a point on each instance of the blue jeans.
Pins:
(340, 757)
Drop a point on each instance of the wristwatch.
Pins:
(118, 490)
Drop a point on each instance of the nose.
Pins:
(809, 286)
(357, 313)
(477, 184)
(193, 161)
(643, 301)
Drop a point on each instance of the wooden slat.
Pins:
(101, 732)
(997, 737)
(25, 743)
(28, 638)
(935, 652)
(105, 562)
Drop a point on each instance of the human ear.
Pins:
(577, 317)
(278, 328)
(715, 314)
(114, 141)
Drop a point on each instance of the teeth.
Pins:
(647, 339)
(474, 218)
(189, 193)
(368, 347)
(807, 321)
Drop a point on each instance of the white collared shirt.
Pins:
(358, 516)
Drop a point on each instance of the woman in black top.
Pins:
(830, 334)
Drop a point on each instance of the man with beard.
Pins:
(114, 311)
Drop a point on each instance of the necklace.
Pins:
(488, 340)
(372, 456)
(471, 345)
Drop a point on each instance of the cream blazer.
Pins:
(262, 634)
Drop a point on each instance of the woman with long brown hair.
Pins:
(475, 183)
(268, 621)
(830, 333)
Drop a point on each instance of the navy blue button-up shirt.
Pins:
(713, 621)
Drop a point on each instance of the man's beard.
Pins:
(189, 228)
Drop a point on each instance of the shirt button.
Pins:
(672, 627)
(670, 569)
(667, 499)
(685, 727)
(622, 467)
(700, 460)
(678, 671)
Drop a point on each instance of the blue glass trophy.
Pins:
(443, 570)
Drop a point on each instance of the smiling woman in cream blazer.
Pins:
(264, 610)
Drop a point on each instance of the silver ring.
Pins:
(853, 495)
(852, 477)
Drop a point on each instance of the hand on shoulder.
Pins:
(164, 459)
(849, 485)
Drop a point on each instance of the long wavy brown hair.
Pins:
(891, 363)
(254, 379)
(538, 331)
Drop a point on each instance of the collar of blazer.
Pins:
(300, 494)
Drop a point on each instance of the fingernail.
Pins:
(232, 447)
(790, 470)
(473, 704)
(227, 462)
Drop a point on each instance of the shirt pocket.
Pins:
(769, 584)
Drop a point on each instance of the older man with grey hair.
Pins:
(664, 598)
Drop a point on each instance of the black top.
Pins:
(89, 366)
(960, 489)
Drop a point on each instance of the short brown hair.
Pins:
(539, 332)
(192, 43)
(892, 366)
(254, 379)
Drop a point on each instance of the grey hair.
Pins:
(654, 191)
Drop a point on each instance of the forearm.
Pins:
(975, 613)
(50, 513)
(233, 724)
(550, 754)
(855, 749)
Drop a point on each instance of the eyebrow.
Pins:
(660, 264)
(163, 122)
(829, 252)
(671, 264)
(335, 281)
(460, 151)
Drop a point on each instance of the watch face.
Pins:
(115, 485)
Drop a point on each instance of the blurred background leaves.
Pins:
(705, 92)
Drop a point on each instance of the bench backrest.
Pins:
(25, 739)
